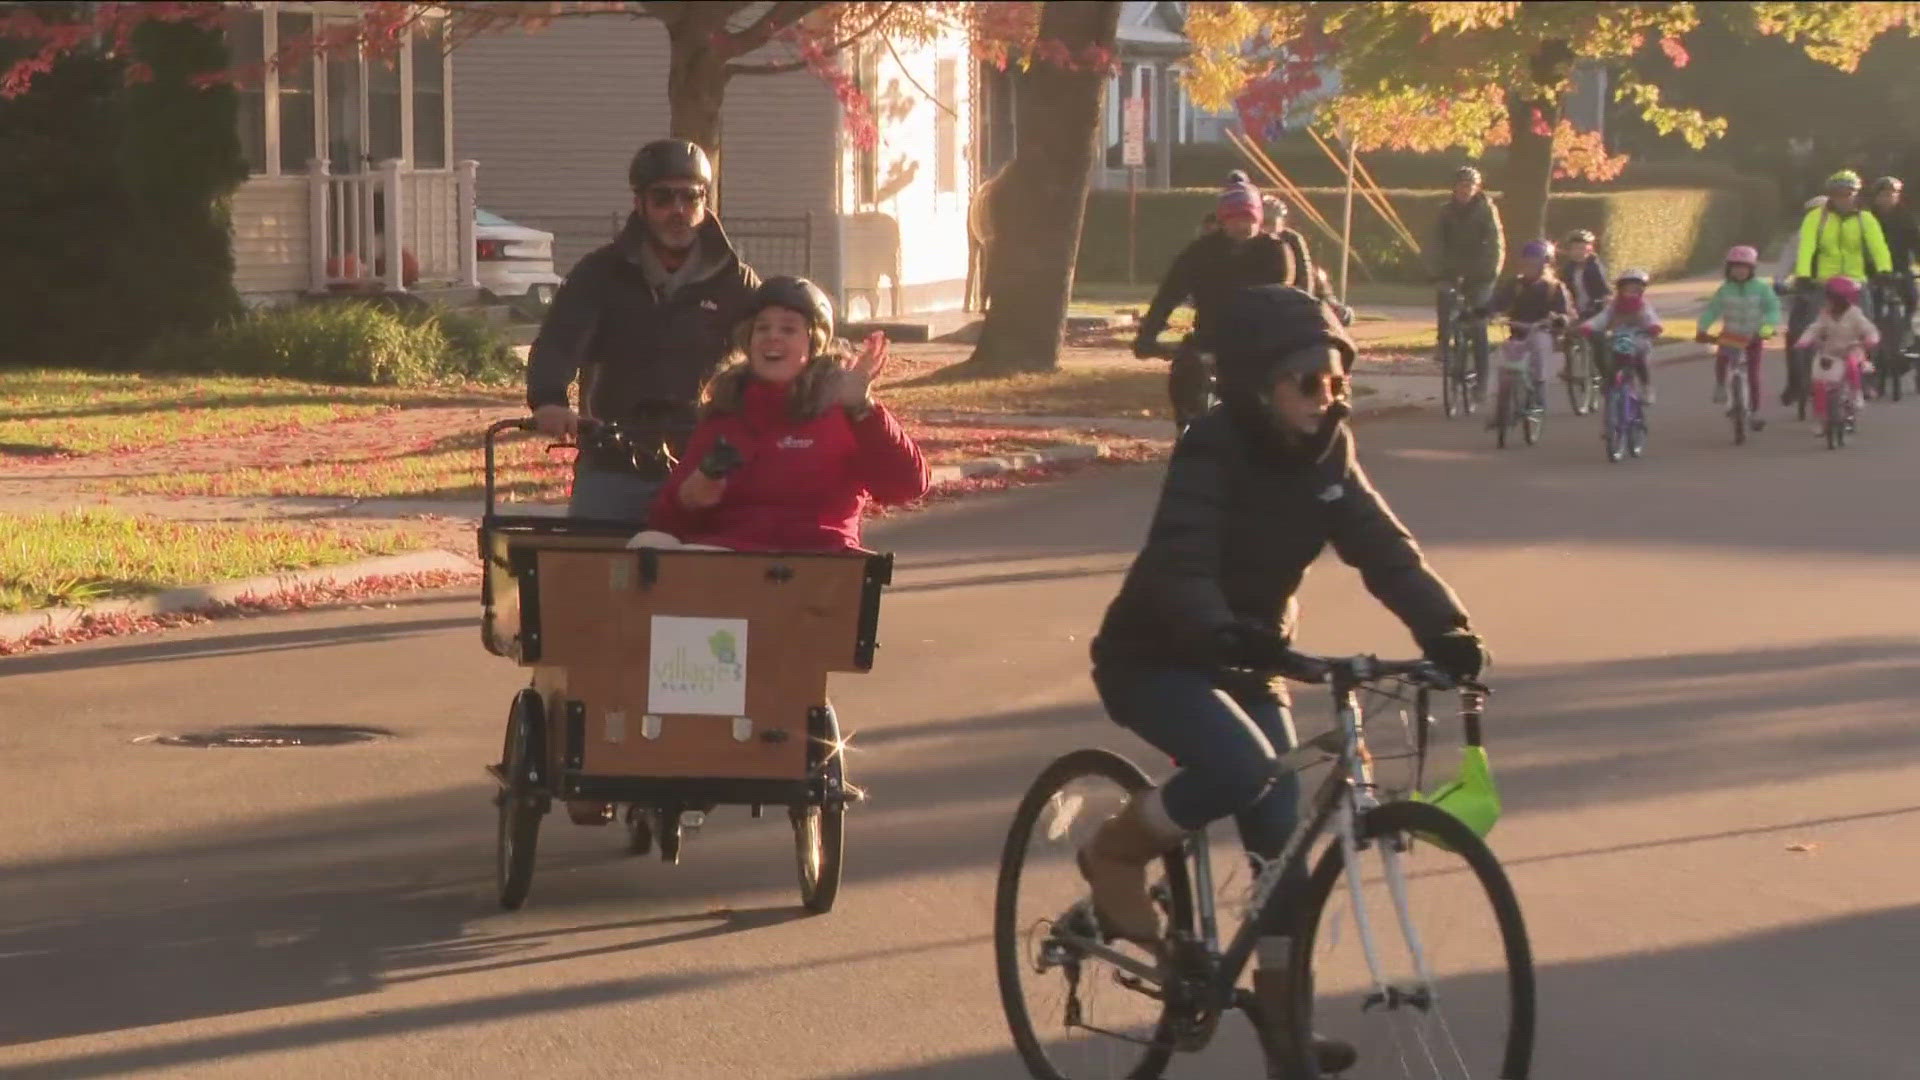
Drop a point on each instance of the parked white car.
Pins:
(515, 262)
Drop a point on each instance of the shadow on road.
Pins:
(1731, 1008)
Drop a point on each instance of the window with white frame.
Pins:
(351, 111)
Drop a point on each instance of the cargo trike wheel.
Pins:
(521, 803)
(820, 845)
(819, 826)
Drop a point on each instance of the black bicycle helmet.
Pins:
(1466, 172)
(1580, 236)
(669, 159)
(1888, 183)
(799, 294)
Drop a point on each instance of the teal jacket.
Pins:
(1747, 306)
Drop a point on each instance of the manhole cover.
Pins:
(270, 735)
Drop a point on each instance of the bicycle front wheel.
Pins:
(1449, 989)
(1073, 1015)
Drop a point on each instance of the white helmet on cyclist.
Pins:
(1639, 277)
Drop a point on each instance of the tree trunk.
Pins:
(697, 76)
(1043, 195)
(1532, 114)
(1529, 171)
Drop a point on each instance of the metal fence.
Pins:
(770, 245)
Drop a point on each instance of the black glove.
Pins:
(1144, 346)
(721, 460)
(1248, 645)
(1459, 653)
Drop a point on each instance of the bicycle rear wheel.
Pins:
(1464, 1009)
(1533, 415)
(1579, 376)
(1074, 1016)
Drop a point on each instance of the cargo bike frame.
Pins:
(671, 682)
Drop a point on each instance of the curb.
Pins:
(57, 620)
(1033, 459)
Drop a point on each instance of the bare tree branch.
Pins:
(782, 67)
(776, 18)
(944, 107)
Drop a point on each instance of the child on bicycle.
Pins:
(1631, 311)
(1535, 298)
(1841, 338)
(1747, 308)
(1584, 273)
(790, 444)
(1256, 490)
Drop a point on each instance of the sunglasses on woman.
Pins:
(665, 197)
(1313, 383)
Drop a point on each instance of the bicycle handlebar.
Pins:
(1358, 670)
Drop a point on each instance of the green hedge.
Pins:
(1665, 230)
(354, 342)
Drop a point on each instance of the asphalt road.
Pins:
(1706, 659)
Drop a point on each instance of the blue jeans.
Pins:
(611, 496)
(1224, 735)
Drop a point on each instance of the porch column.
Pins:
(317, 181)
(464, 198)
(391, 246)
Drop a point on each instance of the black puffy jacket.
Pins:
(631, 346)
(1208, 271)
(1238, 524)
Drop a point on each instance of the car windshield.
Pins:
(482, 217)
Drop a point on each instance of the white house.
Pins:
(554, 116)
(336, 151)
(538, 127)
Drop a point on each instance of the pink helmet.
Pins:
(1843, 288)
(1743, 253)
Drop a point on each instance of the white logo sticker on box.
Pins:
(697, 666)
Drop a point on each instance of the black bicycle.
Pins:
(1895, 322)
(1368, 967)
(1459, 379)
(1195, 391)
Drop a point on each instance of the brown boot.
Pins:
(1114, 862)
(1331, 1056)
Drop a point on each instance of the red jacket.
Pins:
(801, 484)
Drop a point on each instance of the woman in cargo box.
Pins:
(790, 443)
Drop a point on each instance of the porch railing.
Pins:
(391, 229)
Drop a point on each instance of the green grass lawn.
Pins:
(53, 411)
(79, 556)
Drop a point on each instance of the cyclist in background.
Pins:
(1469, 246)
(1838, 240)
(1746, 307)
(1902, 233)
(1206, 272)
(1584, 274)
(1533, 295)
(1630, 310)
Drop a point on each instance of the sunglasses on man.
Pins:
(663, 198)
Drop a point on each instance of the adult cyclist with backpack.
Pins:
(1837, 239)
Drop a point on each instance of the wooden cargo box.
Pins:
(665, 663)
